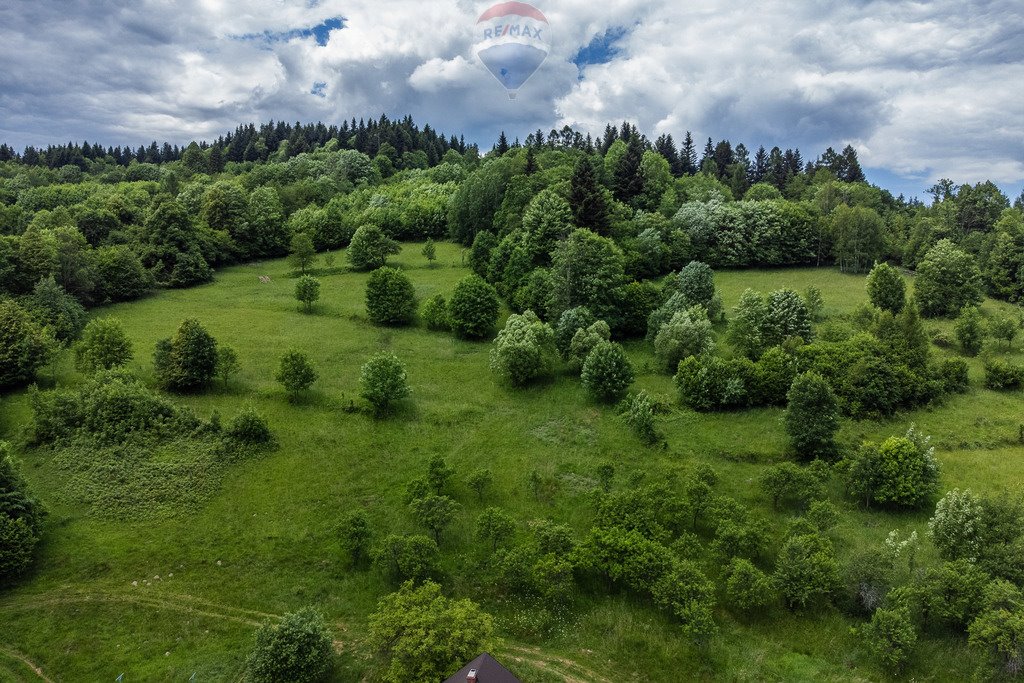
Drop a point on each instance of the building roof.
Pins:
(488, 670)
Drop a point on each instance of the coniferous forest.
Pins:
(359, 402)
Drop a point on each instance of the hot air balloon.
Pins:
(513, 43)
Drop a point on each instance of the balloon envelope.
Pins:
(512, 42)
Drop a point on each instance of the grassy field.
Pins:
(158, 598)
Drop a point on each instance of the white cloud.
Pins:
(924, 89)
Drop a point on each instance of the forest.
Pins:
(360, 402)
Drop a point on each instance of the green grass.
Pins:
(265, 542)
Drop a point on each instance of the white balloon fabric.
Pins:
(513, 43)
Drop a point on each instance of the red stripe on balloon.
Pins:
(518, 8)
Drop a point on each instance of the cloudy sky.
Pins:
(922, 89)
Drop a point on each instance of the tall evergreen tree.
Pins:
(688, 156)
(502, 147)
(629, 182)
(666, 147)
(586, 197)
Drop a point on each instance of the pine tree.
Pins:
(586, 197)
(853, 172)
(709, 153)
(688, 156)
(629, 182)
(502, 147)
(666, 147)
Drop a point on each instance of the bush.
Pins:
(406, 558)
(54, 308)
(480, 253)
(714, 383)
(104, 345)
(383, 382)
(307, 291)
(188, 361)
(887, 289)
(302, 252)
(370, 248)
(120, 275)
(299, 649)
(639, 416)
(696, 282)
(23, 346)
(969, 331)
(249, 428)
(812, 417)
(747, 588)
(690, 597)
(607, 372)
(524, 350)
(355, 537)
(495, 527)
(584, 341)
(423, 636)
(390, 297)
(435, 314)
(948, 279)
(569, 323)
(806, 570)
(227, 363)
(1004, 328)
(473, 308)
(688, 333)
(901, 473)
(295, 373)
(955, 528)
(774, 375)
(952, 374)
(17, 545)
(889, 636)
(1000, 375)
(790, 483)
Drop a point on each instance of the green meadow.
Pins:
(160, 596)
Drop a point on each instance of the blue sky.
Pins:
(922, 90)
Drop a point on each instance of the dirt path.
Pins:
(27, 662)
(571, 671)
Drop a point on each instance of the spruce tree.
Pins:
(629, 182)
(586, 197)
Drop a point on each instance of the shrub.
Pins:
(901, 473)
(120, 275)
(23, 346)
(104, 345)
(473, 308)
(747, 326)
(406, 558)
(227, 363)
(714, 383)
(948, 279)
(636, 302)
(787, 318)
(688, 333)
(479, 480)
(188, 361)
(639, 416)
(524, 350)
(390, 297)
(298, 649)
(773, 376)
(788, 482)
(56, 309)
(688, 594)
(495, 527)
(370, 248)
(17, 545)
(190, 269)
(435, 313)
(955, 528)
(1004, 328)
(1000, 375)
(423, 636)
(886, 288)
(696, 282)
(812, 417)
(429, 251)
(480, 253)
(383, 382)
(16, 502)
(969, 331)
(952, 374)
(806, 570)
(569, 323)
(249, 428)
(747, 588)
(999, 630)
(302, 252)
(814, 302)
(607, 372)
(295, 373)
(889, 637)
(307, 291)
(355, 537)
(584, 341)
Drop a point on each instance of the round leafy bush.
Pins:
(104, 345)
(383, 382)
(607, 372)
(524, 350)
(188, 361)
(370, 248)
(299, 649)
(390, 297)
(473, 307)
(249, 428)
(435, 313)
(23, 347)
